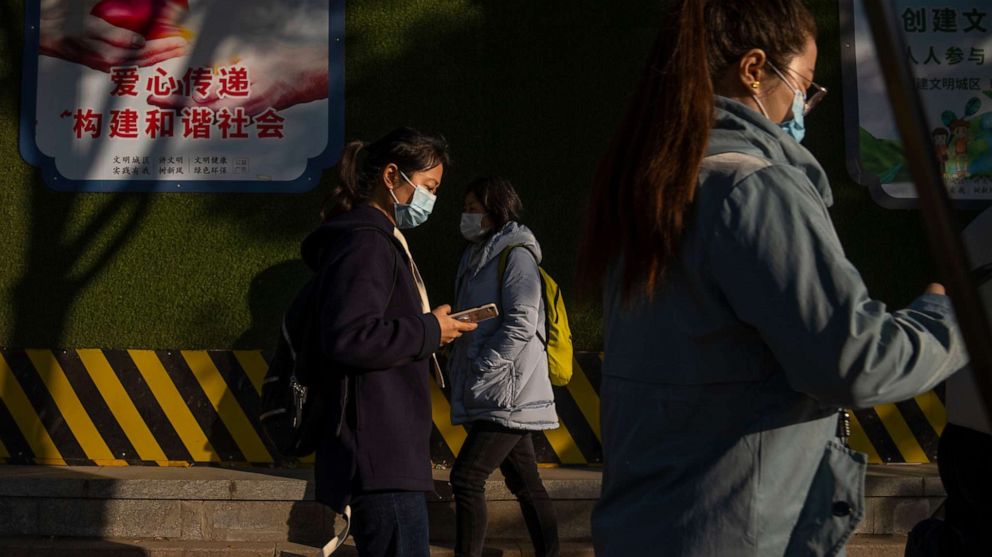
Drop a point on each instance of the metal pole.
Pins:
(935, 204)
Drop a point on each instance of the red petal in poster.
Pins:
(153, 19)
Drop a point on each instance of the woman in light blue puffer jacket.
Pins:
(499, 372)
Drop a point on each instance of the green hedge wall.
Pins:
(528, 90)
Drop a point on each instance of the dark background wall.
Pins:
(528, 90)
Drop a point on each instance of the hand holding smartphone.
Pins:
(476, 314)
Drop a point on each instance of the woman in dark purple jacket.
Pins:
(376, 326)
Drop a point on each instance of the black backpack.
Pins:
(294, 398)
(302, 393)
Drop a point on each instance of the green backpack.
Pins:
(557, 334)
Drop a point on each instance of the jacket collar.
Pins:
(512, 234)
(740, 129)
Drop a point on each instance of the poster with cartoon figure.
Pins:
(183, 95)
(949, 48)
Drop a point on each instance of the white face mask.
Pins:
(471, 226)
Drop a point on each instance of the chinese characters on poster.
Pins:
(183, 95)
(949, 48)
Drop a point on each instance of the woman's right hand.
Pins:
(936, 288)
(450, 328)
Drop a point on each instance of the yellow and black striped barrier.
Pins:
(186, 407)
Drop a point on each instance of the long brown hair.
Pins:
(644, 185)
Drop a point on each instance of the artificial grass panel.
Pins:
(527, 90)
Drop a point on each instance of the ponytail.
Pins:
(349, 166)
(645, 183)
(344, 194)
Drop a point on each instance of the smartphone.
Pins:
(476, 315)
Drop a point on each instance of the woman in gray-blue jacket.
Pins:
(499, 372)
(735, 326)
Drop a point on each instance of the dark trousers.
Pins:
(964, 457)
(390, 524)
(490, 446)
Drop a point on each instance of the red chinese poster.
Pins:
(183, 95)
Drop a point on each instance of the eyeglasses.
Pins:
(813, 95)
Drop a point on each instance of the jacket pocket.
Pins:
(834, 505)
(491, 388)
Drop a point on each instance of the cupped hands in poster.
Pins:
(102, 34)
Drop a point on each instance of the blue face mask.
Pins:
(415, 213)
(796, 127)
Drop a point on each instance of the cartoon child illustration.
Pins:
(940, 138)
(959, 131)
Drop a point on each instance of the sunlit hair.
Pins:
(645, 183)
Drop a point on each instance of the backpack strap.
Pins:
(312, 328)
(504, 257)
(392, 241)
(413, 267)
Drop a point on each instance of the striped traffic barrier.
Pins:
(194, 407)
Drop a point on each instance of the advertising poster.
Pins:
(949, 47)
(183, 95)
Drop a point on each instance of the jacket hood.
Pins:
(512, 234)
(739, 129)
(324, 235)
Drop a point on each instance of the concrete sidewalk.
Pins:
(860, 546)
(216, 511)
